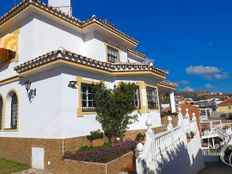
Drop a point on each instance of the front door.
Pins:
(38, 158)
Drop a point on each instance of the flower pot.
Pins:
(97, 142)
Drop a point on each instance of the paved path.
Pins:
(32, 171)
(216, 168)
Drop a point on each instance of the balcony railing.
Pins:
(157, 146)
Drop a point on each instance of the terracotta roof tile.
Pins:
(168, 83)
(76, 58)
(226, 102)
(56, 12)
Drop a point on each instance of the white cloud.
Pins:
(202, 70)
(208, 72)
(209, 86)
(188, 89)
(221, 76)
(183, 82)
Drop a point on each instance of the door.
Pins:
(38, 158)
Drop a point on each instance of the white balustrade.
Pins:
(157, 146)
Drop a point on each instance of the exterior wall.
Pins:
(78, 125)
(225, 109)
(133, 59)
(52, 113)
(95, 47)
(42, 117)
(49, 36)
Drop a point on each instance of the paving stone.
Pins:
(32, 171)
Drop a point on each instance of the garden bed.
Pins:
(102, 154)
(123, 163)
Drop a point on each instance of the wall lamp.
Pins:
(31, 92)
(27, 85)
(72, 84)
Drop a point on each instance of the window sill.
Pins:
(9, 130)
(81, 113)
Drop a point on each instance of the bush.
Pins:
(140, 137)
(114, 108)
(103, 154)
(87, 148)
(95, 135)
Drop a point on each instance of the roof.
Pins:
(137, 54)
(226, 102)
(56, 12)
(191, 109)
(88, 62)
(168, 84)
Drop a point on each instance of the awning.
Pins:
(8, 47)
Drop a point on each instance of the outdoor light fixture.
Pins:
(72, 84)
(27, 85)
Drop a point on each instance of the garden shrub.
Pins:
(103, 154)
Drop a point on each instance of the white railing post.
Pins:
(180, 117)
(188, 119)
(149, 132)
(194, 118)
(139, 159)
(169, 126)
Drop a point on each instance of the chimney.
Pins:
(63, 5)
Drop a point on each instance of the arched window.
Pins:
(1, 111)
(11, 114)
(14, 111)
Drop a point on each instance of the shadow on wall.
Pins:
(178, 161)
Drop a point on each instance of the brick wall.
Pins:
(19, 149)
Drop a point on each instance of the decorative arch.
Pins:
(11, 114)
(9, 42)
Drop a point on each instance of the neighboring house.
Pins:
(225, 106)
(191, 109)
(48, 62)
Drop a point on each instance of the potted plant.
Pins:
(96, 138)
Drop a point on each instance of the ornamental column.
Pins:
(172, 102)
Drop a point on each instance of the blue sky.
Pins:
(190, 38)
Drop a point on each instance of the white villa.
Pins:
(48, 62)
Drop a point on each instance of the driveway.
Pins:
(216, 168)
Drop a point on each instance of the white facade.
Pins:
(52, 113)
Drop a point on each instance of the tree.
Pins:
(114, 108)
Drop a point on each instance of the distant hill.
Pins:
(202, 95)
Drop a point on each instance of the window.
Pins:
(137, 98)
(88, 103)
(14, 111)
(152, 98)
(11, 112)
(112, 54)
(1, 111)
